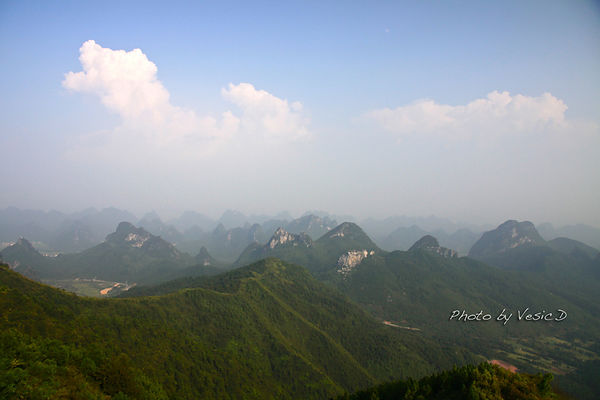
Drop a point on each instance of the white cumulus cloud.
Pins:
(263, 112)
(497, 113)
(126, 83)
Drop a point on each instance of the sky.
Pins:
(473, 111)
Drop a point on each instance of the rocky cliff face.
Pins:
(282, 237)
(136, 240)
(350, 260)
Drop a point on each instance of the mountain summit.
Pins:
(130, 236)
(350, 234)
(25, 244)
(127, 233)
(509, 235)
(429, 243)
(205, 259)
(425, 242)
(23, 257)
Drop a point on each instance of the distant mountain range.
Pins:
(128, 254)
(228, 244)
(55, 232)
(583, 233)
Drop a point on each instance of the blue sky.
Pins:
(393, 111)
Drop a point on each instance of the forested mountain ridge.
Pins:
(268, 330)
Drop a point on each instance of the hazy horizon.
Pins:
(436, 220)
(474, 112)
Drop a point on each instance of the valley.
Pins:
(89, 287)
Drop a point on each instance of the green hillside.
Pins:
(421, 290)
(418, 290)
(268, 330)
